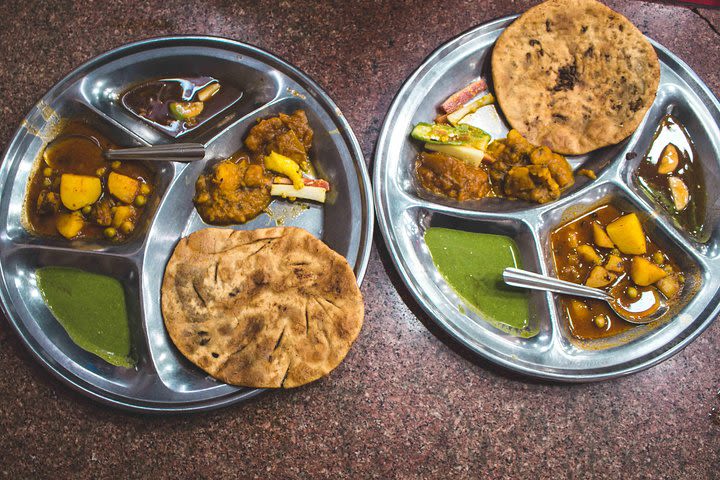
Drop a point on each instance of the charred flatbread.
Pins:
(574, 75)
(265, 308)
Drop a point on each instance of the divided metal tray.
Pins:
(405, 211)
(163, 380)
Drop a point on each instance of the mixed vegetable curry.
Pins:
(77, 193)
(608, 249)
(239, 188)
(461, 162)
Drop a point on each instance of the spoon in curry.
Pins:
(644, 311)
(173, 152)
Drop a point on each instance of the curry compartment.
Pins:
(123, 91)
(327, 152)
(57, 346)
(672, 121)
(578, 244)
(73, 196)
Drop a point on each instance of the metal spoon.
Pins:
(173, 152)
(524, 279)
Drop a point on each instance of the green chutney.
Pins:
(472, 264)
(91, 308)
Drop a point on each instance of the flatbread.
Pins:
(266, 308)
(574, 75)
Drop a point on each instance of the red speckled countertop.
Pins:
(407, 402)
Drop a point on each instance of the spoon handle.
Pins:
(522, 278)
(173, 152)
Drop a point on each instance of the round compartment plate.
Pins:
(163, 381)
(404, 211)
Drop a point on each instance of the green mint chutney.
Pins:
(91, 308)
(472, 264)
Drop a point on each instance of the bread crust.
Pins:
(265, 308)
(574, 75)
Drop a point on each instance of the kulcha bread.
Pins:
(574, 75)
(266, 308)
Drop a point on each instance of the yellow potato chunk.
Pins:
(579, 310)
(643, 272)
(599, 277)
(589, 254)
(69, 224)
(78, 191)
(123, 213)
(228, 176)
(615, 264)
(627, 234)
(122, 187)
(601, 238)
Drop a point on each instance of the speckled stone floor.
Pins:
(407, 402)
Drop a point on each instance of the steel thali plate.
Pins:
(404, 213)
(163, 380)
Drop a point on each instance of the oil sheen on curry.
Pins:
(178, 105)
(76, 193)
(274, 162)
(607, 248)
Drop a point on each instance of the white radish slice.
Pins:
(316, 194)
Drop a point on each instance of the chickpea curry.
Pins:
(76, 193)
(239, 188)
(608, 249)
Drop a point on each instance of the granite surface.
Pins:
(407, 402)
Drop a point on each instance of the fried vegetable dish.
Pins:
(519, 169)
(466, 165)
(608, 249)
(239, 188)
(671, 175)
(76, 193)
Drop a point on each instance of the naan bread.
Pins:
(267, 308)
(574, 75)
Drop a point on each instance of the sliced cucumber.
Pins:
(440, 134)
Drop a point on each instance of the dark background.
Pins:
(407, 402)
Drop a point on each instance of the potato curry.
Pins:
(75, 192)
(608, 249)
(239, 188)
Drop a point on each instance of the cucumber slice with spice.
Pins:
(439, 134)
